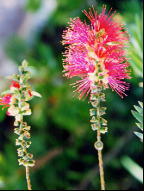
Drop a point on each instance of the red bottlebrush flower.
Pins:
(5, 101)
(15, 84)
(96, 53)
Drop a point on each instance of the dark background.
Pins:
(62, 139)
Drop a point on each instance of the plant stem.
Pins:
(28, 178)
(99, 124)
(100, 159)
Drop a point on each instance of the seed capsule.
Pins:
(98, 145)
(94, 126)
(92, 112)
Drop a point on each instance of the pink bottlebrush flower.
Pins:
(96, 53)
(77, 32)
(5, 100)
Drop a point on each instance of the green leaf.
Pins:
(138, 116)
(140, 125)
(140, 103)
(139, 109)
(34, 93)
(140, 135)
(6, 92)
(135, 48)
(133, 168)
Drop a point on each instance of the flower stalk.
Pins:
(28, 178)
(99, 124)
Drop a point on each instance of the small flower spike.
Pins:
(16, 101)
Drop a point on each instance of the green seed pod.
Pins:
(92, 112)
(98, 145)
(104, 130)
(20, 152)
(30, 156)
(103, 122)
(93, 119)
(101, 111)
(93, 97)
(28, 143)
(21, 161)
(95, 103)
(18, 142)
(26, 134)
(102, 97)
(29, 163)
(94, 126)
(27, 128)
(17, 131)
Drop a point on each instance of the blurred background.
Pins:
(62, 139)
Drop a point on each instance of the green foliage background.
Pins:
(60, 122)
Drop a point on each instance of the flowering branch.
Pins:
(96, 54)
(16, 99)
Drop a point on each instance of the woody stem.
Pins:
(100, 159)
(28, 178)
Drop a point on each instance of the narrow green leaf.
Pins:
(138, 116)
(140, 135)
(133, 168)
(140, 125)
(6, 92)
(34, 93)
(139, 109)
(140, 103)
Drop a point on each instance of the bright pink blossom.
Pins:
(5, 100)
(96, 53)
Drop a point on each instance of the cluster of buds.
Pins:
(16, 100)
(96, 113)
